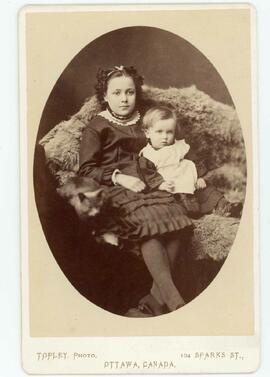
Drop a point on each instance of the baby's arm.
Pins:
(199, 168)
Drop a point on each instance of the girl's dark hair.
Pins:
(104, 76)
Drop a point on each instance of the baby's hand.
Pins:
(167, 186)
(200, 184)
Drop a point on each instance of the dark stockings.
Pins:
(159, 257)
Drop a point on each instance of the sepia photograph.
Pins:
(139, 217)
(140, 172)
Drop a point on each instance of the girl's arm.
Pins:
(90, 158)
(149, 174)
(90, 164)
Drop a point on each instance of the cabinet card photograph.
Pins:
(139, 189)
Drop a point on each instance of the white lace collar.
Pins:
(129, 122)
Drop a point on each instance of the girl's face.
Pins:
(162, 133)
(121, 95)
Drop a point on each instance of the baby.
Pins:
(167, 154)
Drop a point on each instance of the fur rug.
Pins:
(210, 127)
(213, 237)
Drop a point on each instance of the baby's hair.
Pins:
(104, 76)
(156, 113)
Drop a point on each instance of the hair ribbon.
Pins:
(115, 69)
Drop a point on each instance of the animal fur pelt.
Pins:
(213, 237)
(210, 127)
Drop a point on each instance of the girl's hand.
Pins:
(131, 183)
(200, 184)
(166, 186)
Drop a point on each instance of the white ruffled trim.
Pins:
(131, 121)
(180, 146)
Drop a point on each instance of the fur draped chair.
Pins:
(116, 280)
(210, 127)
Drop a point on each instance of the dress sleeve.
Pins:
(90, 158)
(149, 174)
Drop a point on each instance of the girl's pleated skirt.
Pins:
(146, 215)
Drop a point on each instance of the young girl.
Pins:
(167, 154)
(109, 154)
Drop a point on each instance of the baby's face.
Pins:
(162, 133)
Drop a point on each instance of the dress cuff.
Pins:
(116, 171)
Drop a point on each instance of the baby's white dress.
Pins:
(172, 166)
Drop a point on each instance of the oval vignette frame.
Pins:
(102, 276)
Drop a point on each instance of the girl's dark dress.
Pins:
(107, 146)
